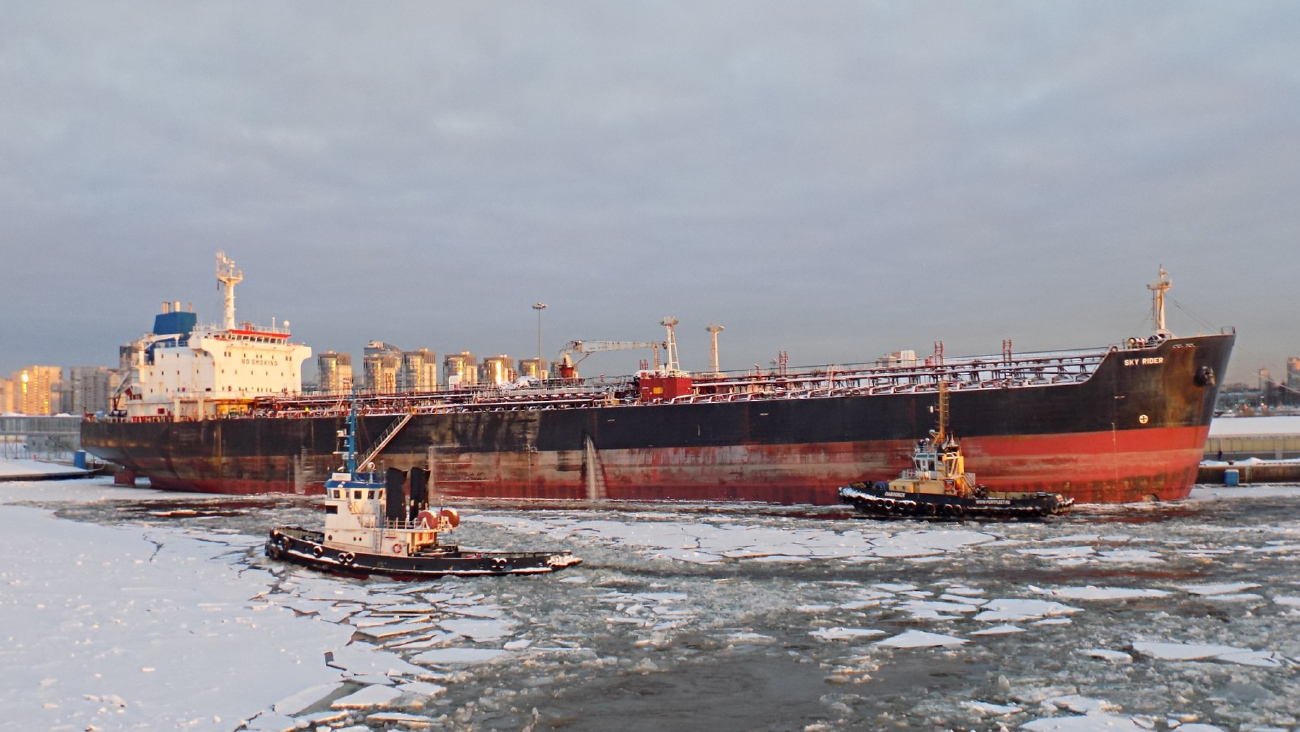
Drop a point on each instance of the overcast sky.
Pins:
(836, 180)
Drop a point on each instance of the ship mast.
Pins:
(673, 368)
(1158, 290)
(229, 276)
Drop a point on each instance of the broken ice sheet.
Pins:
(1014, 609)
(837, 633)
(1105, 593)
(366, 697)
(1200, 652)
(1089, 723)
(920, 639)
(1221, 588)
(478, 629)
(1000, 630)
(458, 655)
(989, 708)
(1118, 657)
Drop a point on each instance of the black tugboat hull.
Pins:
(307, 548)
(877, 501)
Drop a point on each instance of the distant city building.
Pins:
(419, 371)
(460, 370)
(534, 367)
(334, 372)
(8, 400)
(1265, 380)
(496, 370)
(898, 358)
(382, 363)
(88, 389)
(35, 390)
(1293, 372)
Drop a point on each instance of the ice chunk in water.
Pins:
(1105, 593)
(1013, 609)
(1082, 704)
(1222, 588)
(920, 639)
(1108, 655)
(305, 698)
(845, 633)
(1000, 630)
(1089, 723)
(458, 655)
(370, 696)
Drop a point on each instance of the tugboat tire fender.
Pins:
(318, 550)
(347, 558)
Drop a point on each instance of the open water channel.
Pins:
(132, 609)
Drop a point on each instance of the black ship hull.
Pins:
(1133, 429)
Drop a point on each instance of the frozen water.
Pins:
(1029, 620)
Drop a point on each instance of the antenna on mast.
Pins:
(229, 276)
(1158, 290)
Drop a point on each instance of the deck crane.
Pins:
(569, 367)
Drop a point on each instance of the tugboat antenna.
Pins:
(942, 435)
(352, 438)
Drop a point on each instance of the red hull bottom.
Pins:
(1108, 467)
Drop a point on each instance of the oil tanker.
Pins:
(1118, 423)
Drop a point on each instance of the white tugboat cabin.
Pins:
(358, 520)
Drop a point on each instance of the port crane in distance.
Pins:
(568, 367)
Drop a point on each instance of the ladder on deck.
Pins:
(386, 438)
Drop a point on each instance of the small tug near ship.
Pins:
(372, 528)
(937, 486)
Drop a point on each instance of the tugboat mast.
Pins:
(941, 436)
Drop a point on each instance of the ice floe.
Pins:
(1105, 593)
(920, 639)
(845, 633)
(1014, 609)
(1202, 652)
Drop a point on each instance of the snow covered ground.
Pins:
(131, 609)
(23, 467)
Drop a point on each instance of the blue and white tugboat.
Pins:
(371, 527)
(937, 486)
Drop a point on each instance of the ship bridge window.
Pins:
(356, 495)
(331, 508)
(370, 495)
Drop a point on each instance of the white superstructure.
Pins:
(193, 372)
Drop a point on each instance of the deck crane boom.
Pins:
(568, 367)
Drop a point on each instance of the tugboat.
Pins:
(372, 528)
(937, 486)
